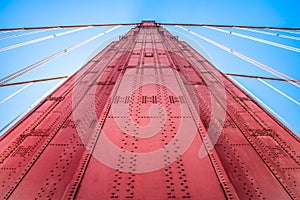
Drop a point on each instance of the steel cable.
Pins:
(52, 57)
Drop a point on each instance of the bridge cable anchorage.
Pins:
(33, 81)
(15, 93)
(261, 77)
(30, 107)
(64, 27)
(24, 34)
(52, 57)
(269, 33)
(246, 58)
(275, 44)
(40, 39)
(264, 105)
(279, 91)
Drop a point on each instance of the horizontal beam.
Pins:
(262, 77)
(69, 26)
(232, 26)
(33, 81)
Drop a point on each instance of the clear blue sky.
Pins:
(26, 13)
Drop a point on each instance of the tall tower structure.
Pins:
(149, 118)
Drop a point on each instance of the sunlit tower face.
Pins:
(149, 118)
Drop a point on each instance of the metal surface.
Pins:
(139, 121)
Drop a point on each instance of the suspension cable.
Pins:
(69, 26)
(293, 32)
(257, 39)
(29, 108)
(23, 34)
(52, 57)
(164, 24)
(231, 26)
(279, 91)
(264, 105)
(8, 31)
(15, 93)
(40, 39)
(246, 58)
(273, 34)
(34, 81)
(261, 77)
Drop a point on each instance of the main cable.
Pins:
(279, 91)
(29, 108)
(15, 93)
(52, 57)
(33, 81)
(23, 34)
(40, 39)
(68, 26)
(269, 33)
(230, 26)
(257, 39)
(246, 58)
(163, 24)
(264, 105)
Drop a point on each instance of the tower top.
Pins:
(148, 23)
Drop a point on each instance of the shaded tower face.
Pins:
(149, 118)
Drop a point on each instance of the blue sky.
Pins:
(26, 13)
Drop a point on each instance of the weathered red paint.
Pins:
(47, 154)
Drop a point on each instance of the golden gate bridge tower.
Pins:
(148, 117)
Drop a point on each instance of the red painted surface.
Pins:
(135, 122)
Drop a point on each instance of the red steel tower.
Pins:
(149, 118)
